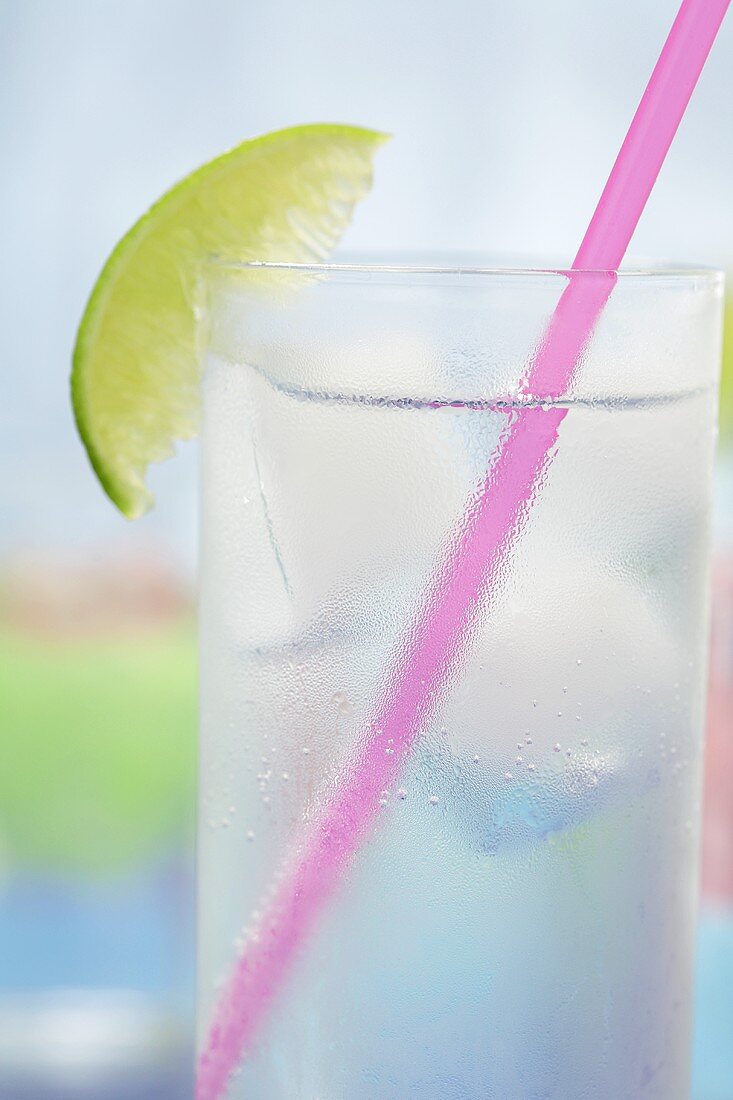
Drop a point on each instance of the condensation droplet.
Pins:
(475, 759)
(305, 750)
(584, 742)
(401, 792)
(285, 777)
(528, 740)
(508, 775)
(250, 834)
(341, 701)
(530, 767)
(433, 800)
(519, 760)
(556, 747)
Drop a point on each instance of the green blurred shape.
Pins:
(98, 747)
(726, 384)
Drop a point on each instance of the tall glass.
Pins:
(517, 920)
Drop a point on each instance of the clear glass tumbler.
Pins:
(514, 916)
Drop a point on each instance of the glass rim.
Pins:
(369, 266)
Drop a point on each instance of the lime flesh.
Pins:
(287, 196)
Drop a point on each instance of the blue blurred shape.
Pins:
(713, 1049)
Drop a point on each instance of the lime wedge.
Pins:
(135, 381)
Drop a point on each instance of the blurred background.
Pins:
(506, 119)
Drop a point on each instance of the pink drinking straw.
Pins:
(469, 574)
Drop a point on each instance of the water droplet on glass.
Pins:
(401, 792)
(285, 777)
(341, 701)
(508, 775)
(475, 759)
(250, 834)
(433, 800)
(556, 747)
(519, 760)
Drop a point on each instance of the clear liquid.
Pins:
(519, 923)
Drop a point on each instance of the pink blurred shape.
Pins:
(717, 835)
